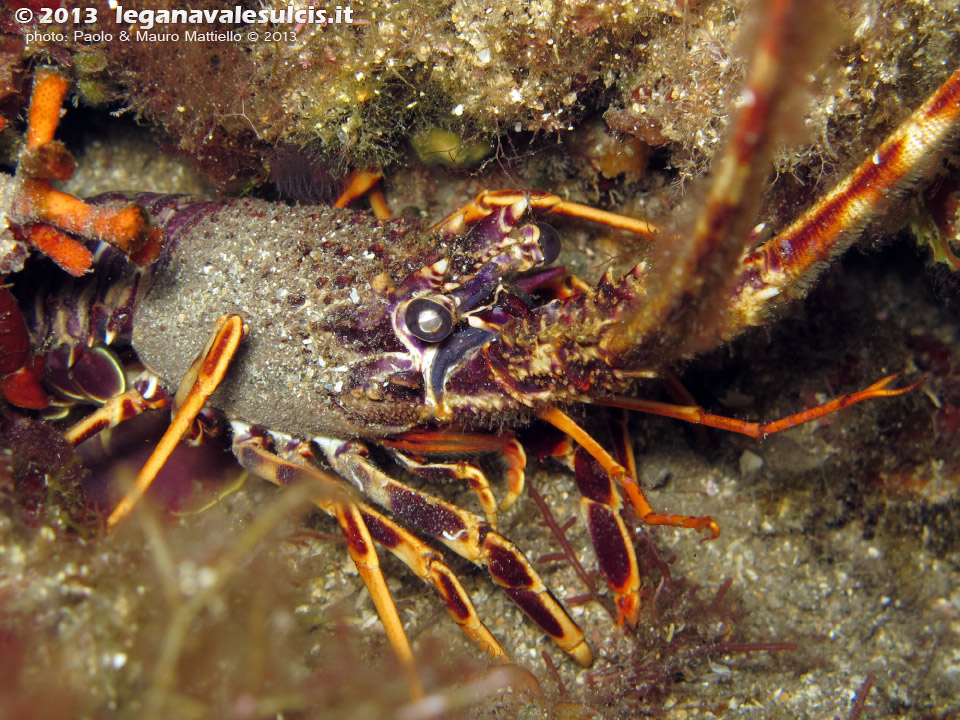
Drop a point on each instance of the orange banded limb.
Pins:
(365, 182)
(333, 499)
(600, 506)
(461, 470)
(623, 443)
(364, 556)
(227, 335)
(696, 415)
(468, 536)
(618, 474)
(429, 566)
(457, 442)
(485, 203)
(331, 495)
(115, 411)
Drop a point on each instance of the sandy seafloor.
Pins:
(841, 538)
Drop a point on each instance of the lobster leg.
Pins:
(600, 506)
(255, 457)
(486, 202)
(468, 536)
(695, 414)
(364, 556)
(116, 410)
(462, 470)
(365, 182)
(216, 358)
(429, 566)
(458, 443)
(618, 473)
(360, 523)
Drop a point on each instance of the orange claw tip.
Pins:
(879, 389)
(707, 523)
(628, 609)
(908, 388)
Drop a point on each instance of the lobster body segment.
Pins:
(316, 284)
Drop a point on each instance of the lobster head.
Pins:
(492, 327)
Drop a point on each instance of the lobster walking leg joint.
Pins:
(214, 362)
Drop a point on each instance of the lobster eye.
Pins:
(549, 242)
(429, 320)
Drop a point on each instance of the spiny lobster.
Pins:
(424, 342)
